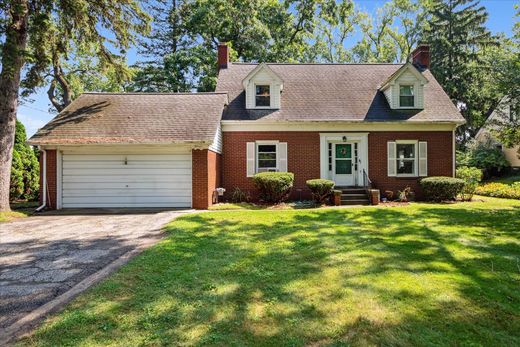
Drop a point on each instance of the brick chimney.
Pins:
(421, 56)
(223, 55)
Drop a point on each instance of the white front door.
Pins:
(343, 164)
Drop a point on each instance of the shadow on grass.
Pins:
(433, 275)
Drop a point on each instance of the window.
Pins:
(406, 159)
(406, 96)
(263, 96)
(266, 157)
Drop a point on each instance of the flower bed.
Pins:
(500, 190)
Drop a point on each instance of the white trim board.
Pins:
(236, 126)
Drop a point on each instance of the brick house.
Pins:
(390, 123)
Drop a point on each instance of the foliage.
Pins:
(485, 156)
(25, 169)
(320, 189)
(238, 196)
(405, 194)
(459, 40)
(472, 177)
(295, 277)
(440, 188)
(274, 186)
(500, 190)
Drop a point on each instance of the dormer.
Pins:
(405, 88)
(263, 88)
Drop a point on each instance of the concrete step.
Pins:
(355, 202)
(353, 196)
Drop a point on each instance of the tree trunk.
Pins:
(12, 63)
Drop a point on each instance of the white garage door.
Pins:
(119, 180)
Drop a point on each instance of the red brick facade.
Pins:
(303, 152)
(206, 168)
(51, 178)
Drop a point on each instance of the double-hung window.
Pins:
(406, 161)
(266, 157)
(406, 96)
(262, 95)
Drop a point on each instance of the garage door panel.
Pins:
(91, 180)
(126, 192)
(126, 185)
(121, 157)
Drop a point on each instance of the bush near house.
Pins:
(500, 190)
(320, 189)
(484, 156)
(472, 177)
(25, 169)
(441, 188)
(274, 187)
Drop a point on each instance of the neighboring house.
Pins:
(392, 123)
(501, 114)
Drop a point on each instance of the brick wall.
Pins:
(51, 178)
(440, 158)
(303, 151)
(205, 177)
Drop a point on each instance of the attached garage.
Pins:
(126, 180)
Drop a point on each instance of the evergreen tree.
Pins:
(25, 169)
(458, 37)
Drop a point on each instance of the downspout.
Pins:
(44, 181)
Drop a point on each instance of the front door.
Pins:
(343, 164)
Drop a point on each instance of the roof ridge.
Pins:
(249, 63)
(154, 93)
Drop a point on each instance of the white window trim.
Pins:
(263, 142)
(416, 157)
(270, 95)
(414, 85)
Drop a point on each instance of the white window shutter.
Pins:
(392, 160)
(251, 158)
(281, 154)
(423, 158)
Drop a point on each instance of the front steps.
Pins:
(353, 196)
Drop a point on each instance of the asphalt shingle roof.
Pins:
(135, 118)
(333, 92)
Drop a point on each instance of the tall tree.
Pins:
(40, 33)
(458, 37)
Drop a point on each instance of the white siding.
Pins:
(216, 146)
(126, 180)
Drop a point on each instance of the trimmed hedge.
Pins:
(472, 177)
(320, 189)
(441, 188)
(500, 190)
(274, 186)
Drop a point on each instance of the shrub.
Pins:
(441, 188)
(485, 156)
(25, 169)
(238, 196)
(500, 190)
(472, 177)
(274, 186)
(320, 189)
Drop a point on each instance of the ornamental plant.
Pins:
(320, 189)
(274, 187)
(500, 190)
(441, 188)
(472, 177)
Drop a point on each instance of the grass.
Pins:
(422, 274)
(18, 210)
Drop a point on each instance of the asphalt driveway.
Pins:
(43, 256)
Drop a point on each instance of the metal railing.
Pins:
(367, 183)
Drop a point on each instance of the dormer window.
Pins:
(263, 96)
(406, 96)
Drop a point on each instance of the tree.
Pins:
(458, 37)
(39, 33)
(25, 170)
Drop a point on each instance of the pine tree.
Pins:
(25, 169)
(458, 37)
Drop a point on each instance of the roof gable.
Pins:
(263, 67)
(406, 67)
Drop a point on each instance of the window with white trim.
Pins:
(406, 96)
(266, 157)
(406, 161)
(262, 95)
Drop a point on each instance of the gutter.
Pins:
(44, 181)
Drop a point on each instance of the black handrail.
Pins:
(367, 183)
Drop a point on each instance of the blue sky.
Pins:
(501, 18)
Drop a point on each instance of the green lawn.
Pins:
(18, 210)
(506, 179)
(423, 274)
